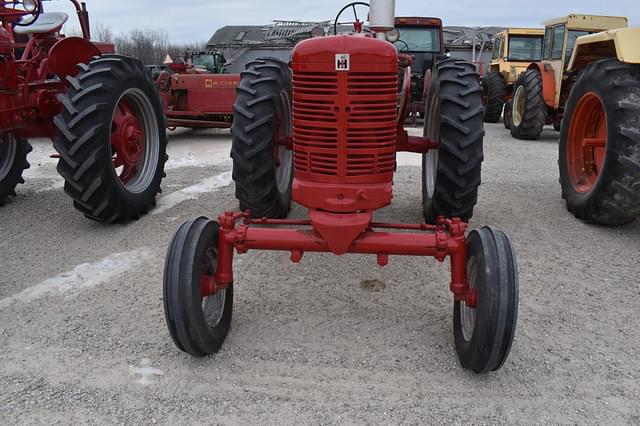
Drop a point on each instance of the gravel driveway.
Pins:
(83, 337)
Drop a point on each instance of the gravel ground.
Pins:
(83, 338)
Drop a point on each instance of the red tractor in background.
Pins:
(102, 111)
(198, 94)
(325, 133)
(423, 39)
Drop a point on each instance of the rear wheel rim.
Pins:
(283, 156)
(430, 169)
(8, 150)
(135, 140)
(586, 142)
(517, 109)
(468, 314)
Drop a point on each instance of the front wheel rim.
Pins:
(586, 142)
(135, 140)
(212, 304)
(517, 109)
(8, 150)
(467, 313)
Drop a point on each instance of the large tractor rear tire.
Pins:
(451, 174)
(494, 90)
(262, 170)
(111, 139)
(13, 160)
(529, 111)
(600, 144)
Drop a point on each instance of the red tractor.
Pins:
(198, 94)
(324, 132)
(102, 111)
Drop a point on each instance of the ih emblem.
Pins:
(342, 62)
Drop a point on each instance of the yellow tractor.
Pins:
(588, 83)
(513, 50)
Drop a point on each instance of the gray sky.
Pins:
(197, 20)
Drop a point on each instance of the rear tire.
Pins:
(197, 325)
(507, 115)
(494, 90)
(263, 101)
(111, 139)
(601, 182)
(13, 161)
(529, 111)
(483, 334)
(451, 174)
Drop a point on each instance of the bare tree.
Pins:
(149, 46)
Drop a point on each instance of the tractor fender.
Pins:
(621, 44)
(548, 82)
(67, 53)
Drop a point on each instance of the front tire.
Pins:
(262, 170)
(198, 325)
(451, 174)
(483, 334)
(111, 139)
(494, 90)
(13, 161)
(529, 111)
(600, 144)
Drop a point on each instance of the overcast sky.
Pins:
(197, 20)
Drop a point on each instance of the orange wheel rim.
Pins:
(587, 142)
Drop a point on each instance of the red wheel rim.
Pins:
(127, 141)
(586, 142)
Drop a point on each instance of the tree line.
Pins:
(149, 46)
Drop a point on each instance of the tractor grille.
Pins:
(344, 125)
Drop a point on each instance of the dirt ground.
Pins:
(331, 340)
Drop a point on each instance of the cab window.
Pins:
(548, 36)
(558, 41)
(497, 48)
(571, 41)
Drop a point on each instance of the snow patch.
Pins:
(86, 275)
(193, 192)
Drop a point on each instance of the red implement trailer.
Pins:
(102, 110)
(325, 133)
(198, 94)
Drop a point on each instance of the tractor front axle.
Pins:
(240, 232)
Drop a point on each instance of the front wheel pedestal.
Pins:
(484, 282)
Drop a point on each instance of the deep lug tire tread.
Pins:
(14, 176)
(494, 88)
(252, 134)
(534, 116)
(615, 198)
(458, 177)
(83, 140)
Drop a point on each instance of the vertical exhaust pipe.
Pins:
(83, 16)
(382, 16)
